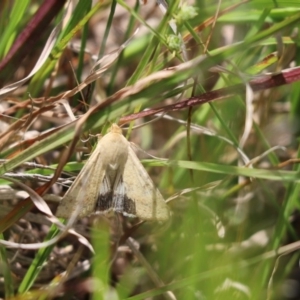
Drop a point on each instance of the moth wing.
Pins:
(115, 199)
(104, 197)
(149, 204)
(80, 199)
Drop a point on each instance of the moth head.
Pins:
(115, 129)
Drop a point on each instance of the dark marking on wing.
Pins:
(116, 201)
(128, 206)
(104, 202)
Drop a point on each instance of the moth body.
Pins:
(113, 179)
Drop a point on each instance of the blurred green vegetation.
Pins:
(231, 170)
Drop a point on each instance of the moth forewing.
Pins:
(79, 200)
(148, 201)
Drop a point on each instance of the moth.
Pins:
(113, 179)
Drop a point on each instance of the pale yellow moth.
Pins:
(113, 179)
